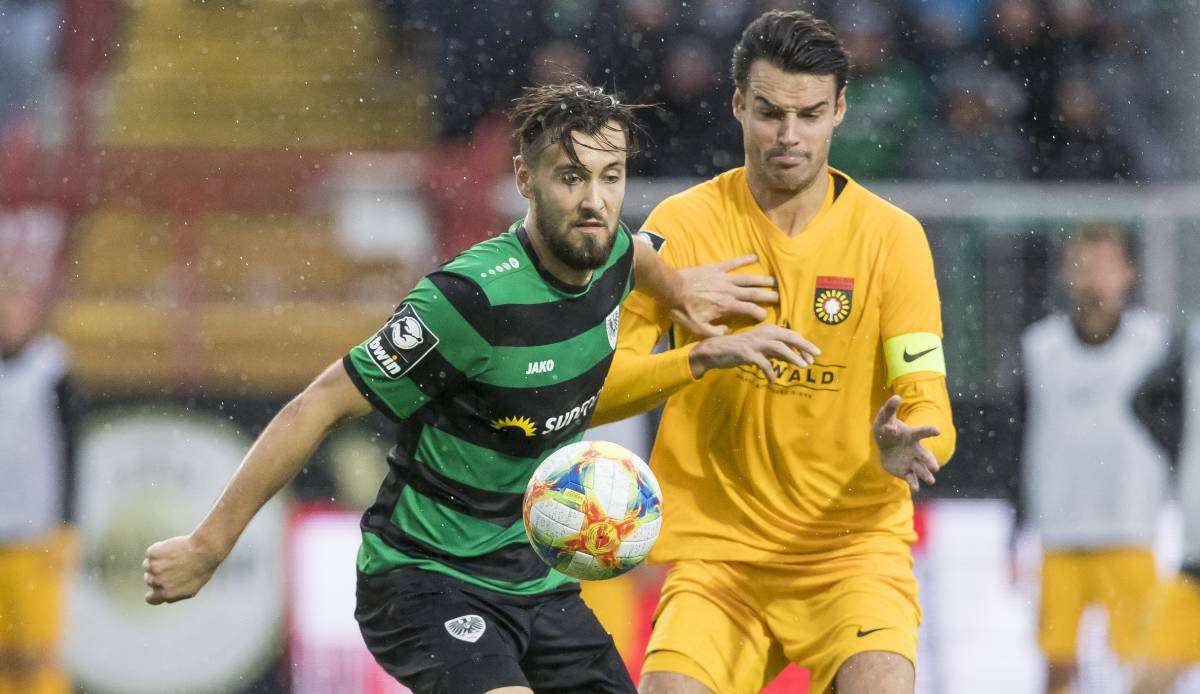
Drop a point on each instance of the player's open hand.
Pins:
(176, 569)
(900, 450)
(754, 347)
(712, 292)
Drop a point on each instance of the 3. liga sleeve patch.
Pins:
(402, 343)
(651, 239)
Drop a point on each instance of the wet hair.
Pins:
(793, 42)
(548, 114)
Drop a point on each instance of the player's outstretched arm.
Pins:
(901, 451)
(177, 568)
(699, 296)
(639, 381)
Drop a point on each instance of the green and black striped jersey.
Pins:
(489, 365)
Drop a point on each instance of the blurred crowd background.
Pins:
(208, 201)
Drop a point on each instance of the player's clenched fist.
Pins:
(176, 569)
(900, 449)
(754, 347)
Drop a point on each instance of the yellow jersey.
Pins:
(788, 471)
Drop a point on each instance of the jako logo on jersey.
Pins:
(832, 299)
(540, 367)
(510, 264)
(400, 344)
(613, 325)
(469, 627)
(575, 414)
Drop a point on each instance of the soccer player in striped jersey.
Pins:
(488, 365)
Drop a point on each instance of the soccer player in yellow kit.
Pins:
(788, 514)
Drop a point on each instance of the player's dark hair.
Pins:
(547, 114)
(793, 41)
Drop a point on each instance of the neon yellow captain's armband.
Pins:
(913, 352)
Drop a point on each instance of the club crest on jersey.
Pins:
(469, 627)
(613, 324)
(833, 298)
(400, 344)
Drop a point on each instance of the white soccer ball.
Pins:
(593, 510)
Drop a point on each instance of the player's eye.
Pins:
(572, 179)
(613, 178)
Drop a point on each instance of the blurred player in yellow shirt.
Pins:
(788, 511)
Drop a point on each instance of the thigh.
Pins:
(1065, 593)
(31, 583)
(569, 651)
(706, 630)
(1170, 635)
(436, 636)
(1126, 579)
(824, 616)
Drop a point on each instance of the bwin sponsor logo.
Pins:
(387, 361)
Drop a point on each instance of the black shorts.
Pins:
(436, 634)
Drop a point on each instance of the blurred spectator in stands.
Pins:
(646, 30)
(36, 446)
(690, 133)
(474, 48)
(1016, 43)
(556, 61)
(887, 101)
(1081, 145)
(28, 35)
(1130, 82)
(1073, 31)
(974, 137)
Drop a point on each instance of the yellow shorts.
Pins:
(1119, 579)
(31, 576)
(1171, 632)
(734, 626)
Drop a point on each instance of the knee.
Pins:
(19, 664)
(670, 683)
(876, 672)
(1060, 677)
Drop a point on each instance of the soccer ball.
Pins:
(593, 510)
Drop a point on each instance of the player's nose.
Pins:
(789, 131)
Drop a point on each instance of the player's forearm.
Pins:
(927, 403)
(279, 453)
(639, 382)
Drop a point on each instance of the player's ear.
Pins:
(523, 176)
(839, 107)
(739, 102)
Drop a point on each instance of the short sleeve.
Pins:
(435, 341)
(911, 311)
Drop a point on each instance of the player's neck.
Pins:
(790, 210)
(550, 262)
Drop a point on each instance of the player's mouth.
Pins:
(590, 225)
(788, 158)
